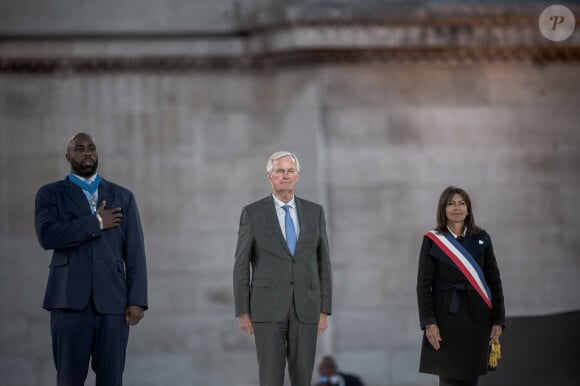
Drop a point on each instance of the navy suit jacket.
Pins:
(108, 266)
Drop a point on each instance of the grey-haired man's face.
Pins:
(284, 175)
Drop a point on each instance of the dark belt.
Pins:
(455, 302)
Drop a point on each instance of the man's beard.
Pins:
(84, 171)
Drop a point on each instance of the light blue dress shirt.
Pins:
(90, 181)
(281, 213)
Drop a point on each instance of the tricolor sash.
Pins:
(463, 261)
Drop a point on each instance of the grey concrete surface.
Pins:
(378, 141)
(377, 144)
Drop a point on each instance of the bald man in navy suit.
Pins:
(97, 282)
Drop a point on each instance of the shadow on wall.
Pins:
(539, 351)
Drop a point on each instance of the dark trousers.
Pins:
(455, 382)
(289, 339)
(79, 335)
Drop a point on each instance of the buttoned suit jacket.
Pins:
(267, 277)
(108, 266)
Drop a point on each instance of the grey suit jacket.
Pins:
(267, 276)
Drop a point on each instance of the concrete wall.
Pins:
(379, 135)
(377, 142)
(29, 17)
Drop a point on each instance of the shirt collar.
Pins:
(279, 204)
(89, 180)
(456, 236)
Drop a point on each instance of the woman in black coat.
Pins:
(462, 314)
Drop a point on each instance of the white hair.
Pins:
(278, 155)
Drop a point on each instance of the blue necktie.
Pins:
(290, 231)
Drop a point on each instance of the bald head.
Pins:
(73, 140)
(327, 366)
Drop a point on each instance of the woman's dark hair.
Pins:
(445, 197)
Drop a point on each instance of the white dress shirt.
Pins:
(453, 234)
(282, 215)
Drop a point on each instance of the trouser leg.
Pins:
(72, 340)
(270, 340)
(302, 339)
(454, 382)
(111, 337)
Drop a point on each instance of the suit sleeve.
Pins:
(56, 232)
(425, 277)
(242, 265)
(491, 272)
(324, 268)
(135, 261)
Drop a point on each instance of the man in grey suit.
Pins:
(282, 276)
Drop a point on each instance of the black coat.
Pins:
(465, 335)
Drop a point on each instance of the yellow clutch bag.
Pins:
(494, 356)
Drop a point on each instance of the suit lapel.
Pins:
(303, 221)
(106, 193)
(475, 244)
(77, 196)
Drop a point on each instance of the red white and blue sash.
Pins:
(463, 261)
